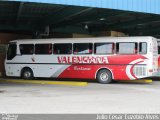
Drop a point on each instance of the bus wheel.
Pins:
(104, 76)
(27, 74)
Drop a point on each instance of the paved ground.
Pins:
(94, 98)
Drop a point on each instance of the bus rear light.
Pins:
(150, 70)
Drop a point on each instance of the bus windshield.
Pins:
(11, 53)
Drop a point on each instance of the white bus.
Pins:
(158, 75)
(105, 58)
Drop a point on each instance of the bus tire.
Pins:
(104, 76)
(27, 74)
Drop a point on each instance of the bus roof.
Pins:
(79, 40)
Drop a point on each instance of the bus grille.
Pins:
(140, 71)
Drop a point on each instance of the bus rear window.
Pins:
(142, 48)
(126, 48)
(26, 49)
(103, 48)
(82, 48)
(63, 48)
(12, 51)
(43, 49)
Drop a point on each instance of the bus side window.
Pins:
(82, 48)
(117, 47)
(75, 49)
(142, 48)
(62, 48)
(126, 48)
(26, 49)
(44, 49)
(90, 48)
(136, 48)
(104, 48)
(158, 48)
(50, 49)
(113, 47)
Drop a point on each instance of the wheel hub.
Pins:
(27, 74)
(104, 76)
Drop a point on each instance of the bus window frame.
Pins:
(62, 54)
(113, 50)
(83, 53)
(146, 48)
(27, 44)
(43, 44)
(8, 50)
(158, 47)
(126, 53)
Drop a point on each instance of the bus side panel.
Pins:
(121, 69)
(12, 70)
(89, 71)
(158, 74)
(155, 58)
(128, 67)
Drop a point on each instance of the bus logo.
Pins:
(83, 59)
